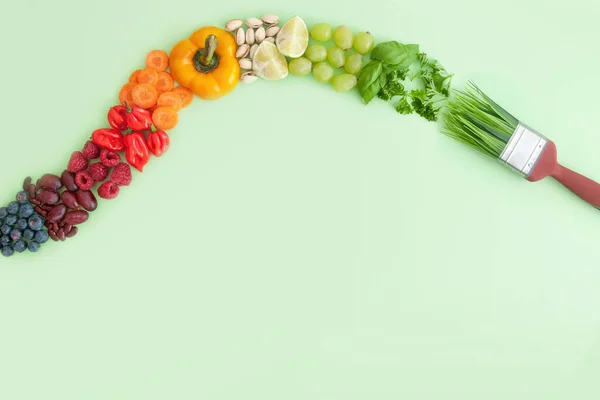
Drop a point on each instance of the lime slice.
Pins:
(268, 63)
(292, 39)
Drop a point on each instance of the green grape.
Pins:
(344, 82)
(321, 32)
(343, 36)
(316, 53)
(323, 72)
(300, 66)
(336, 57)
(363, 42)
(354, 63)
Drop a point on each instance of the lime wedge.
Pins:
(268, 63)
(292, 39)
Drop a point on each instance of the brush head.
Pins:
(476, 120)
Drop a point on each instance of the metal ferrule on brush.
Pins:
(523, 149)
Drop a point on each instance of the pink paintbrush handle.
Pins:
(587, 189)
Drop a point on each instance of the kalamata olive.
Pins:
(76, 217)
(70, 199)
(87, 200)
(68, 179)
(50, 182)
(57, 213)
(47, 196)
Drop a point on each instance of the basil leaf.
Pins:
(369, 80)
(395, 54)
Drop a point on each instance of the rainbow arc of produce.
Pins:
(212, 61)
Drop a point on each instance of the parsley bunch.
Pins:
(386, 74)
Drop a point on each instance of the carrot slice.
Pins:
(157, 59)
(144, 95)
(148, 75)
(165, 118)
(170, 99)
(125, 94)
(134, 76)
(186, 95)
(164, 82)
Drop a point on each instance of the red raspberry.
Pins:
(108, 190)
(98, 171)
(121, 174)
(91, 151)
(84, 180)
(78, 162)
(109, 158)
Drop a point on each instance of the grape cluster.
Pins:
(21, 227)
(345, 54)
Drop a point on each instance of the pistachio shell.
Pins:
(246, 63)
(270, 19)
(248, 77)
(253, 50)
(242, 51)
(250, 36)
(233, 25)
(272, 31)
(240, 36)
(253, 22)
(260, 34)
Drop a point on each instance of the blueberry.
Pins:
(36, 222)
(5, 240)
(11, 220)
(41, 236)
(33, 246)
(5, 229)
(7, 251)
(3, 212)
(22, 224)
(19, 246)
(22, 197)
(15, 234)
(28, 234)
(13, 207)
(26, 210)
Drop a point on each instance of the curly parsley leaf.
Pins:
(404, 106)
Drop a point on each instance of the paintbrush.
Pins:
(476, 120)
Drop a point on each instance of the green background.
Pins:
(294, 243)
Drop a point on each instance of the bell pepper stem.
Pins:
(210, 45)
(205, 59)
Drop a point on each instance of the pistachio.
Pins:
(272, 31)
(248, 77)
(240, 36)
(233, 25)
(250, 36)
(242, 51)
(270, 19)
(270, 39)
(253, 50)
(260, 34)
(253, 22)
(246, 63)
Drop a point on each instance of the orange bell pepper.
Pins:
(205, 63)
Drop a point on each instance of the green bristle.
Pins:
(477, 121)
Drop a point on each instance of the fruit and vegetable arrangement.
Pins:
(210, 64)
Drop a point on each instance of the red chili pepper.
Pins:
(158, 142)
(136, 150)
(138, 118)
(117, 117)
(109, 138)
